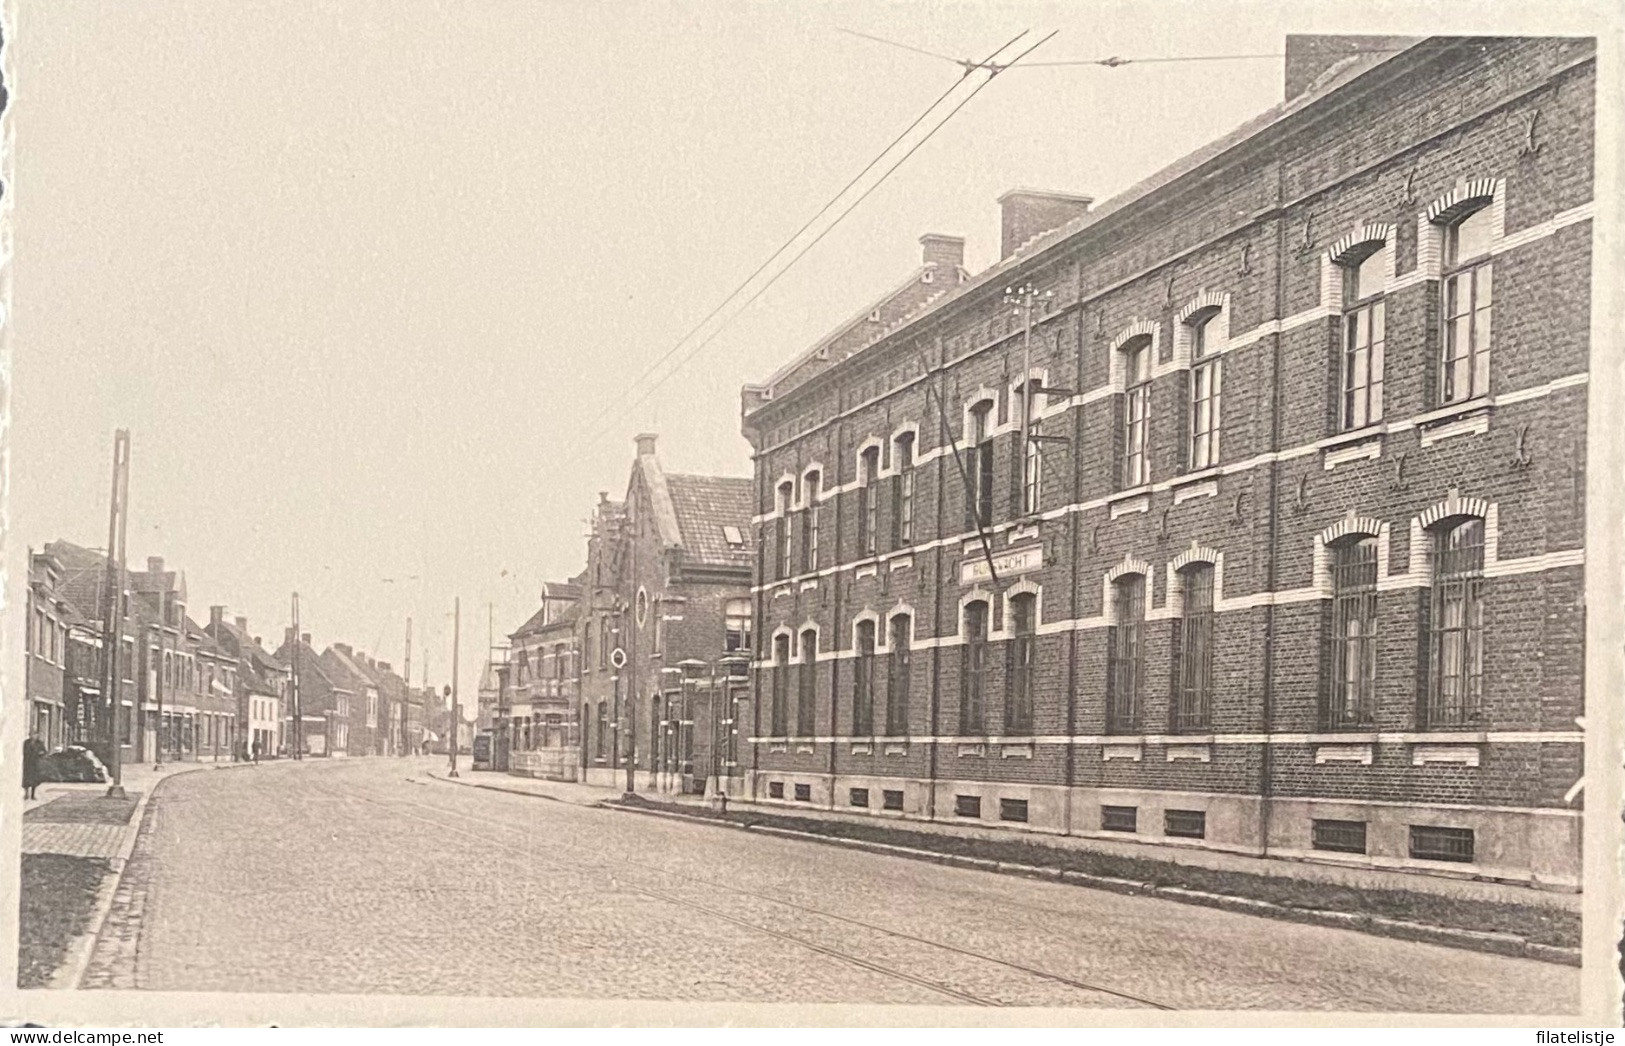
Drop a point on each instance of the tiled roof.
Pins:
(536, 623)
(704, 505)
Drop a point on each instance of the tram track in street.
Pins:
(1073, 984)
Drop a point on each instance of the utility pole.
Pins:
(406, 703)
(158, 674)
(113, 619)
(1024, 298)
(293, 676)
(456, 641)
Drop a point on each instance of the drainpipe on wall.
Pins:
(936, 614)
(1267, 757)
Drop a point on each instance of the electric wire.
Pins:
(649, 371)
(696, 349)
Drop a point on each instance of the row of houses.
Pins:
(192, 691)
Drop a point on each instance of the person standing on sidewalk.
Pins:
(257, 748)
(33, 754)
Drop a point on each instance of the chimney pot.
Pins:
(944, 252)
(1027, 213)
(646, 444)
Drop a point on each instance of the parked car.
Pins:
(73, 763)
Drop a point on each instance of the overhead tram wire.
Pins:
(833, 200)
(1111, 63)
(992, 73)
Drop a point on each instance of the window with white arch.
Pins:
(1134, 466)
(863, 680)
(1205, 381)
(1365, 269)
(1351, 696)
(1464, 365)
(1018, 706)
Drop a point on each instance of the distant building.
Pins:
(262, 685)
(543, 706)
(350, 674)
(318, 710)
(668, 586)
(54, 692)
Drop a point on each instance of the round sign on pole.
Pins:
(617, 658)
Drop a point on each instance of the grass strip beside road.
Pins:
(58, 899)
(1533, 922)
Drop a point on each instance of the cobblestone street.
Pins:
(364, 876)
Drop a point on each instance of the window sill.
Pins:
(1194, 476)
(1454, 411)
(1129, 750)
(1127, 502)
(1353, 437)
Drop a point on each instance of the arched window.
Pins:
(1194, 654)
(807, 679)
(902, 507)
(787, 493)
(1126, 655)
(973, 670)
(868, 503)
(1018, 709)
(1464, 368)
(781, 697)
(1364, 327)
(1456, 694)
(863, 681)
(897, 677)
(809, 526)
(1205, 382)
(979, 467)
(1134, 465)
(1351, 696)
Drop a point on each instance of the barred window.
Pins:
(1194, 656)
(863, 681)
(808, 680)
(1126, 655)
(1352, 693)
(902, 515)
(973, 670)
(1135, 466)
(867, 502)
(979, 473)
(898, 677)
(1018, 709)
(1206, 379)
(809, 514)
(1464, 370)
(781, 683)
(1364, 322)
(1457, 617)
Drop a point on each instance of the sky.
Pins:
(358, 276)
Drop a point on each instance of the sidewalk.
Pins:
(572, 792)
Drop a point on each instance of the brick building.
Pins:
(318, 712)
(543, 706)
(261, 685)
(349, 674)
(49, 616)
(1295, 564)
(667, 584)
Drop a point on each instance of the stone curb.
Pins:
(1469, 940)
(443, 779)
(83, 946)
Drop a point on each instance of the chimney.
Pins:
(217, 617)
(646, 445)
(343, 648)
(1026, 213)
(155, 564)
(288, 636)
(382, 666)
(944, 252)
(305, 639)
(242, 623)
(1308, 57)
(256, 638)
